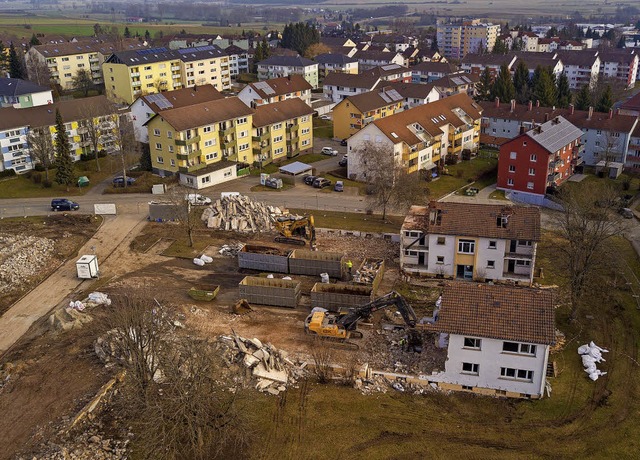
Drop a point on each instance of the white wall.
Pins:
(140, 114)
(210, 179)
(42, 98)
(369, 133)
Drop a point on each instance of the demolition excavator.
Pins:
(296, 230)
(341, 327)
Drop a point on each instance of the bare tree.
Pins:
(41, 148)
(38, 71)
(91, 129)
(121, 135)
(588, 221)
(388, 183)
(186, 215)
(82, 81)
(609, 150)
(322, 356)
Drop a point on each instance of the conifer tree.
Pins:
(544, 89)
(63, 161)
(16, 69)
(563, 91)
(503, 87)
(484, 88)
(606, 100)
(521, 82)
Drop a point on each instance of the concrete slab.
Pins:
(577, 178)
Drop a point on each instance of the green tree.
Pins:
(500, 47)
(583, 98)
(127, 32)
(145, 158)
(299, 37)
(485, 86)
(503, 87)
(606, 100)
(63, 161)
(622, 43)
(544, 88)
(147, 35)
(16, 69)
(521, 82)
(563, 91)
(97, 29)
(34, 40)
(434, 44)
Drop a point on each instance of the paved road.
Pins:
(116, 231)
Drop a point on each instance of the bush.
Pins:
(8, 173)
(39, 167)
(47, 183)
(451, 160)
(626, 184)
(36, 177)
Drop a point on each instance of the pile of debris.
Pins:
(379, 384)
(272, 368)
(75, 315)
(87, 445)
(359, 247)
(591, 355)
(230, 250)
(21, 258)
(367, 273)
(240, 214)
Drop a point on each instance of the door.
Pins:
(468, 272)
(512, 246)
(511, 266)
(421, 258)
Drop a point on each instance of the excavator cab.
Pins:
(324, 325)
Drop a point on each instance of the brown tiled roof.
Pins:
(622, 56)
(375, 55)
(497, 312)
(277, 112)
(372, 100)
(632, 103)
(487, 139)
(282, 86)
(582, 58)
(387, 69)
(431, 66)
(88, 46)
(351, 80)
(396, 127)
(533, 60)
(415, 90)
(580, 118)
(333, 42)
(488, 59)
(205, 113)
(45, 115)
(478, 220)
(454, 80)
(184, 97)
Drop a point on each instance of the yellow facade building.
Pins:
(282, 130)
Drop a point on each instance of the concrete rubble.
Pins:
(358, 247)
(76, 315)
(230, 250)
(379, 384)
(271, 368)
(21, 258)
(240, 214)
(368, 272)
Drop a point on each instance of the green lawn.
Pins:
(322, 128)
(361, 186)
(353, 221)
(483, 171)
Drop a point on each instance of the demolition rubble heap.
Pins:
(240, 214)
(272, 368)
(21, 258)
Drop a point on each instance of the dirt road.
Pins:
(115, 233)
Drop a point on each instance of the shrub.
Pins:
(451, 160)
(39, 167)
(8, 173)
(626, 183)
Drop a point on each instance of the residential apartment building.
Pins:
(355, 112)
(239, 60)
(283, 66)
(426, 72)
(15, 125)
(498, 339)
(470, 241)
(368, 59)
(580, 67)
(64, 60)
(145, 107)
(21, 94)
(456, 83)
(541, 158)
(131, 74)
(633, 156)
(276, 90)
(631, 106)
(419, 138)
(602, 133)
(203, 142)
(620, 65)
(281, 130)
(414, 94)
(335, 63)
(476, 63)
(337, 85)
(391, 72)
(457, 40)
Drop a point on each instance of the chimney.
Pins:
(546, 117)
(497, 102)
(610, 114)
(590, 113)
(537, 103)
(522, 129)
(530, 105)
(513, 105)
(571, 109)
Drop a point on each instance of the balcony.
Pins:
(519, 255)
(136, 83)
(293, 138)
(634, 147)
(94, 59)
(292, 128)
(183, 142)
(260, 137)
(175, 67)
(135, 74)
(189, 156)
(192, 168)
(227, 131)
(553, 177)
(292, 152)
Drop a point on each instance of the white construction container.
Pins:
(87, 267)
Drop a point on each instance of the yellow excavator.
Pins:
(296, 230)
(343, 326)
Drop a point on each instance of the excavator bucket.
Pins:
(241, 307)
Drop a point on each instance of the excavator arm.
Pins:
(351, 319)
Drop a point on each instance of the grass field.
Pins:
(481, 170)
(353, 221)
(322, 128)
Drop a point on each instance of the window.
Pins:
(470, 368)
(158, 146)
(304, 119)
(305, 142)
(524, 243)
(530, 185)
(277, 139)
(440, 260)
(472, 343)
(532, 171)
(156, 132)
(172, 162)
(160, 160)
(170, 148)
(513, 155)
(512, 168)
(243, 134)
(523, 263)
(277, 126)
(242, 147)
(533, 157)
(516, 374)
(441, 240)
(209, 143)
(206, 179)
(169, 134)
(510, 182)
(206, 129)
(466, 246)
(211, 156)
(240, 121)
(493, 244)
(305, 131)
(278, 151)
(491, 264)
(520, 348)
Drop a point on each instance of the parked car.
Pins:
(343, 142)
(64, 204)
(321, 182)
(329, 151)
(343, 161)
(339, 187)
(273, 182)
(195, 199)
(308, 179)
(325, 117)
(119, 181)
(627, 213)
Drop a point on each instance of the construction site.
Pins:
(286, 307)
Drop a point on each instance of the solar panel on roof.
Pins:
(394, 95)
(457, 81)
(384, 97)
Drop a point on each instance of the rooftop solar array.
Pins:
(152, 51)
(264, 86)
(159, 100)
(391, 95)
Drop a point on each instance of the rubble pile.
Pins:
(379, 384)
(272, 368)
(87, 445)
(230, 250)
(21, 258)
(366, 274)
(240, 214)
(359, 247)
(75, 316)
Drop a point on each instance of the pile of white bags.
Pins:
(591, 355)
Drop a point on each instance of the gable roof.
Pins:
(375, 55)
(351, 80)
(148, 56)
(280, 86)
(414, 90)
(289, 61)
(584, 58)
(372, 100)
(633, 103)
(554, 134)
(456, 79)
(620, 56)
(388, 69)
(18, 87)
(488, 59)
(277, 112)
(45, 115)
(205, 113)
(497, 312)
(88, 46)
(477, 220)
(533, 60)
(334, 58)
(181, 97)
(432, 66)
